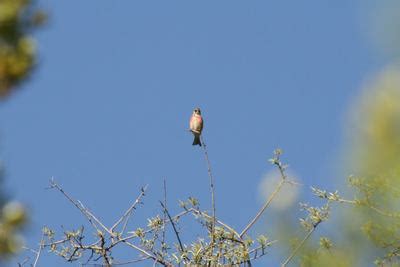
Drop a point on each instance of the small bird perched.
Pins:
(196, 126)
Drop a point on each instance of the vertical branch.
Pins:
(39, 251)
(173, 226)
(163, 247)
(212, 193)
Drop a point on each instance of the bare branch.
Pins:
(300, 244)
(218, 221)
(147, 254)
(163, 246)
(20, 264)
(276, 161)
(174, 227)
(95, 219)
(39, 251)
(129, 210)
(212, 192)
(118, 263)
(261, 211)
(79, 205)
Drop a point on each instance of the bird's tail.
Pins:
(196, 140)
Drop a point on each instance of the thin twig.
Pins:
(129, 210)
(149, 230)
(53, 184)
(300, 244)
(217, 221)
(267, 203)
(212, 193)
(95, 219)
(30, 249)
(174, 227)
(147, 254)
(377, 210)
(80, 206)
(20, 264)
(163, 247)
(256, 256)
(117, 263)
(39, 251)
(341, 200)
(268, 244)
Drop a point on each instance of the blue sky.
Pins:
(107, 109)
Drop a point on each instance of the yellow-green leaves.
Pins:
(17, 49)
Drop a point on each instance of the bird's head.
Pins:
(197, 111)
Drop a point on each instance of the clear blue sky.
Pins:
(107, 110)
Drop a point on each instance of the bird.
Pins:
(196, 126)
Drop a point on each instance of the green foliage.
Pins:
(17, 49)
(375, 161)
(17, 58)
(12, 218)
(228, 247)
(160, 240)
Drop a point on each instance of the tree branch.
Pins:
(212, 192)
(128, 212)
(300, 244)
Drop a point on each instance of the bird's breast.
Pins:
(196, 123)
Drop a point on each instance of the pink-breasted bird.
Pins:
(196, 126)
